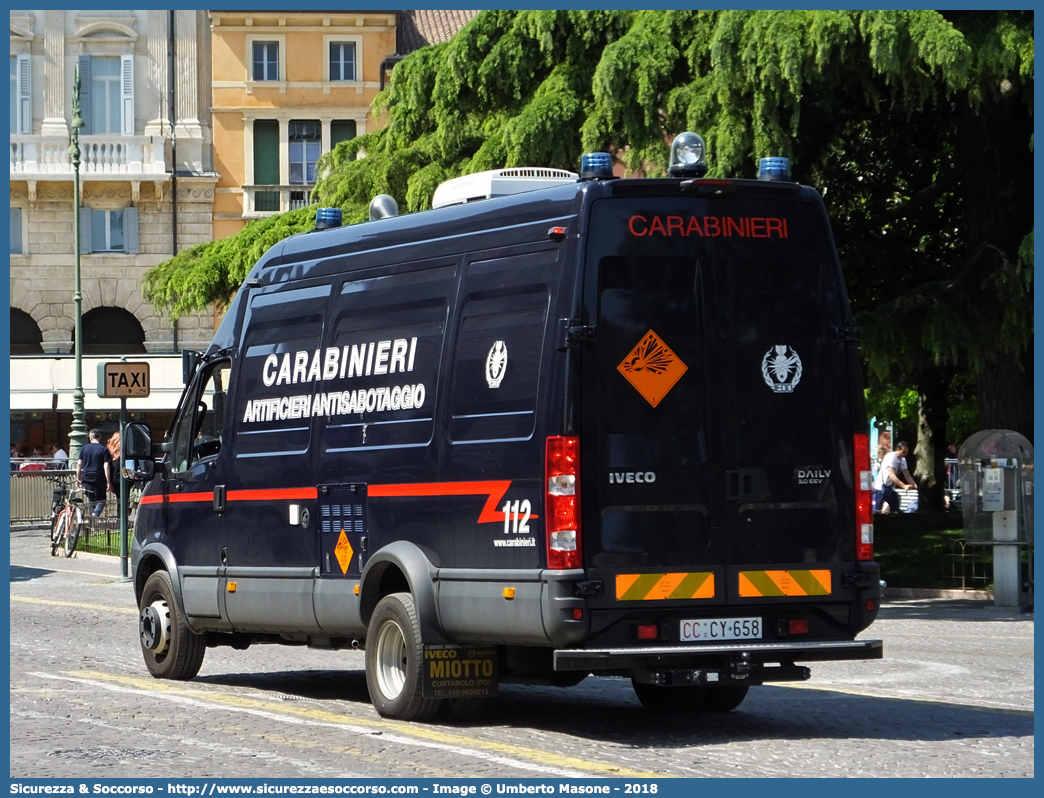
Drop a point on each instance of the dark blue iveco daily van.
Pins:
(557, 426)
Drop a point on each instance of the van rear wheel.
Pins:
(669, 699)
(395, 659)
(463, 710)
(171, 650)
(725, 698)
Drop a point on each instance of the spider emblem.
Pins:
(781, 368)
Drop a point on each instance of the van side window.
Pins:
(387, 351)
(199, 432)
(280, 372)
(496, 366)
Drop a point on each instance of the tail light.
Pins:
(648, 631)
(562, 502)
(864, 520)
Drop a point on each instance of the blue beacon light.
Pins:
(596, 166)
(774, 169)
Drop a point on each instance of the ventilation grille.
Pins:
(530, 171)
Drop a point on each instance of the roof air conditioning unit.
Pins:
(498, 183)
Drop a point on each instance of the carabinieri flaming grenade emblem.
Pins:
(496, 364)
(781, 368)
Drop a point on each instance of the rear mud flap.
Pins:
(459, 672)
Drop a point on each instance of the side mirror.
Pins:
(189, 364)
(139, 470)
(137, 442)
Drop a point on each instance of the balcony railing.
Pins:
(265, 200)
(101, 157)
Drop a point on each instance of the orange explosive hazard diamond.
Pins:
(343, 552)
(652, 368)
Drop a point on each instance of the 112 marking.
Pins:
(512, 510)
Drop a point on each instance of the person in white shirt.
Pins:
(60, 460)
(893, 476)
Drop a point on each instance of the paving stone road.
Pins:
(953, 697)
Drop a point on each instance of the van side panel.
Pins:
(499, 399)
(386, 347)
(270, 558)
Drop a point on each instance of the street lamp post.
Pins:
(78, 433)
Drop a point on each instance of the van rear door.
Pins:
(717, 430)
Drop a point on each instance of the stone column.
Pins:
(156, 112)
(55, 106)
(187, 126)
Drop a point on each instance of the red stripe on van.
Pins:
(188, 497)
(495, 490)
(273, 494)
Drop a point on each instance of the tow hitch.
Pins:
(737, 670)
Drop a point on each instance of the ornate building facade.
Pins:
(288, 86)
(146, 171)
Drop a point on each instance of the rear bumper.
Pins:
(654, 657)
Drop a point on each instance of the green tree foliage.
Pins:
(916, 125)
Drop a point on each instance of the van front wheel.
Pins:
(171, 650)
(395, 659)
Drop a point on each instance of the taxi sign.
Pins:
(121, 379)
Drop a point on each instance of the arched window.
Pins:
(26, 338)
(112, 331)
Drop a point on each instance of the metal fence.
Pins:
(101, 535)
(32, 494)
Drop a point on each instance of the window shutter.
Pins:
(85, 230)
(130, 230)
(25, 96)
(16, 231)
(86, 110)
(127, 93)
(266, 152)
(341, 130)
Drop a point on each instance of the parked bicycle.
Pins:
(65, 529)
(57, 498)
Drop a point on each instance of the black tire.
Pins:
(61, 521)
(462, 710)
(395, 659)
(669, 699)
(72, 534)
(725, 698)
(171, 650)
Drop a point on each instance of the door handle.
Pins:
(749, 484)
(219, 498)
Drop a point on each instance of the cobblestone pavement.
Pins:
(953, 697)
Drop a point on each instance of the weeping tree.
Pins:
(916, 125)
